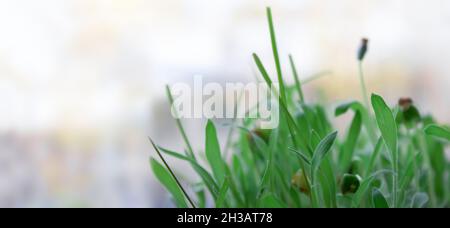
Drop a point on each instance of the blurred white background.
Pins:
(82, 81)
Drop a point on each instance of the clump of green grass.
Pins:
(388, 157)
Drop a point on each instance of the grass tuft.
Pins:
(390, 156)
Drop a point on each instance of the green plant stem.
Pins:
(180, 125)
(276, 56)
(429, 177)
(314, 195)
(172, 173)
(363, 85)
(298, 84)
(233, 125)
(395, 180)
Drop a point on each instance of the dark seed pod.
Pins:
(405, 102)
(299, 181)
(363, 49)
(408, 114)
(350, 183)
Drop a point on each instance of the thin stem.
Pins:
(171, 172)
(180, 125)
(395, 181)
(297, 80)
(233, 124)
(313, 194)
(430, 184)
(363, 85)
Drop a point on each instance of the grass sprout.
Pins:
(389, 156)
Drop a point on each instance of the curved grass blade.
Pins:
(378, 199)
(386, 124)
(364, 186)
(438, 131)
(358, 107)
(319, 154)
(303, 157)
(204, 175)
(169, 183)
(321, 150)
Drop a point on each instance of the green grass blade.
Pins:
(175, 154)
(438, 131)
(268, 173)
(386, 124)
(212, 150)
(364, 186)
(220, 201)
(328, 183)
(204, 175)
(378, 199)
(358, 107)
(298, 84)
(276, 55)
(270, 201)
(388, 128)
(168, 179)
(302, 156)
(298, 136)
(169, 183)
(180, 125)
(373, 157)
(350, 142)
(321, 150)
(319, 155)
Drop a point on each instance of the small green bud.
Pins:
(350, 183)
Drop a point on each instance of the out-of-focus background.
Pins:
(82, 81)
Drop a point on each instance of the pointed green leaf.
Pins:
(364, 186)
(220, 202)
(386, 123)
(438, 131)
(212, 150)
(169, 183)
(322, 150)
(204, 175)
(378, 199)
